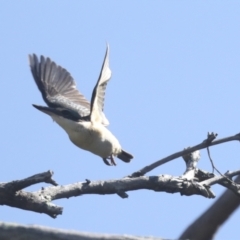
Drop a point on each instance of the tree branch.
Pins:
(41, 201)
(17, 185)
(11, 195)
(12, 231)
(192, 182)
(206, 143)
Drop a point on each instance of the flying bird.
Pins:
(84, 122)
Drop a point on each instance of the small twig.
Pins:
(224, 176)
(210, 137)
(122, 194)
(212, 163)
(209, 156)
(88, 181)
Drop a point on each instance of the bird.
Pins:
(84, 122)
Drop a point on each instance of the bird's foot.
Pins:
(112, 160)
(111, 163)
(106, 161)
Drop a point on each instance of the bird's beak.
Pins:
(47, 110)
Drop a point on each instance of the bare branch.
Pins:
(204, 144)
(17, 185)
(11, 195)
(29, 201)
(12, 231)
(192, 182)
(41, 201)
(162, 183)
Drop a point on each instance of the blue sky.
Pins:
(175, 76)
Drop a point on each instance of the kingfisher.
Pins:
(84, 122)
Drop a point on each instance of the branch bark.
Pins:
(12, 231)
(41, 201)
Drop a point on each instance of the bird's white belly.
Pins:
(93, 137)
(96, 139)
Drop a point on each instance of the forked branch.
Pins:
(193, 182)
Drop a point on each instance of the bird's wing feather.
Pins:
(97, 101)
(57, 86)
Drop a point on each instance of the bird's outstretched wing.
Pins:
(57, 86)
(97, 100)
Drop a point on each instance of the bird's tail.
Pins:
(125, 156)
